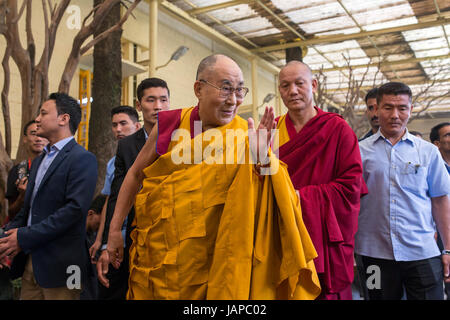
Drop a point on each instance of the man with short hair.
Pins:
(153, 96)
(17, 184)
(18, 175)
(124, 122)
(322, 155)
(371, 103)
(408, 189)
(440, 137)
(51, 227)
(207, 226)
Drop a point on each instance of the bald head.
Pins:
(297, 64)
(218, 76)
(207, 65)
(297, 87)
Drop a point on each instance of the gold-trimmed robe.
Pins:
(218, 231)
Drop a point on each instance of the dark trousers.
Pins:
(447, 284)
(359, 280)
(422, 279)
(118, 281)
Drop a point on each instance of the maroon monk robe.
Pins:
(324, 163)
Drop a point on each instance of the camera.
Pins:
(22, 170)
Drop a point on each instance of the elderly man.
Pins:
(207, 225)
(408, 189)
(324, 163)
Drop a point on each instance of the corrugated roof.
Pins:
(416, 57)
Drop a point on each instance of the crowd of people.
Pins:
(193, 209)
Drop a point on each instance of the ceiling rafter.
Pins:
(354, 36)
(383, 35)
(295, 32)
(388, 63)
(223, 5)
(438, 11)
(227, 27)
(369, 37)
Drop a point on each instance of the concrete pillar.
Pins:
(255, 114)
(153, 32)
(277, 97)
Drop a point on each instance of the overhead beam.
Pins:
(409, 84)
(280, 20)
(343, 37)
(184, 17)
(218, 6)
(387, 63)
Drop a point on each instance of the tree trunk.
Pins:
(5, 166)
(5, 102)
(106, 92)
(28, 113)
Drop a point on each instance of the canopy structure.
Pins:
(367, 41)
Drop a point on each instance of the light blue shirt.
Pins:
(395, 220)
(145, 134)
(110, 167)
(109, 177)
(50, 153)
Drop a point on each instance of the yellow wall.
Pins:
(180, 75)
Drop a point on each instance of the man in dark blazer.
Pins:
(50, 230)
(153, 96)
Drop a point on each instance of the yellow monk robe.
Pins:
(218, 231)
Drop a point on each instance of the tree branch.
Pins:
(89, 15)
(51, 8)
(57, 14)
(19, 15)
(105, 34)
(85, 32)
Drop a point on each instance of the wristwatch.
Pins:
(446, 252)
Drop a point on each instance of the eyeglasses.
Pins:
(227, 90)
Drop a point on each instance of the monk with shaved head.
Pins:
(324, 163)
(209, 223)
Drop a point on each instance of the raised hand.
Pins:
(259, 139)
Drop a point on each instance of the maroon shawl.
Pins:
(324, 163)
(168, 121)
